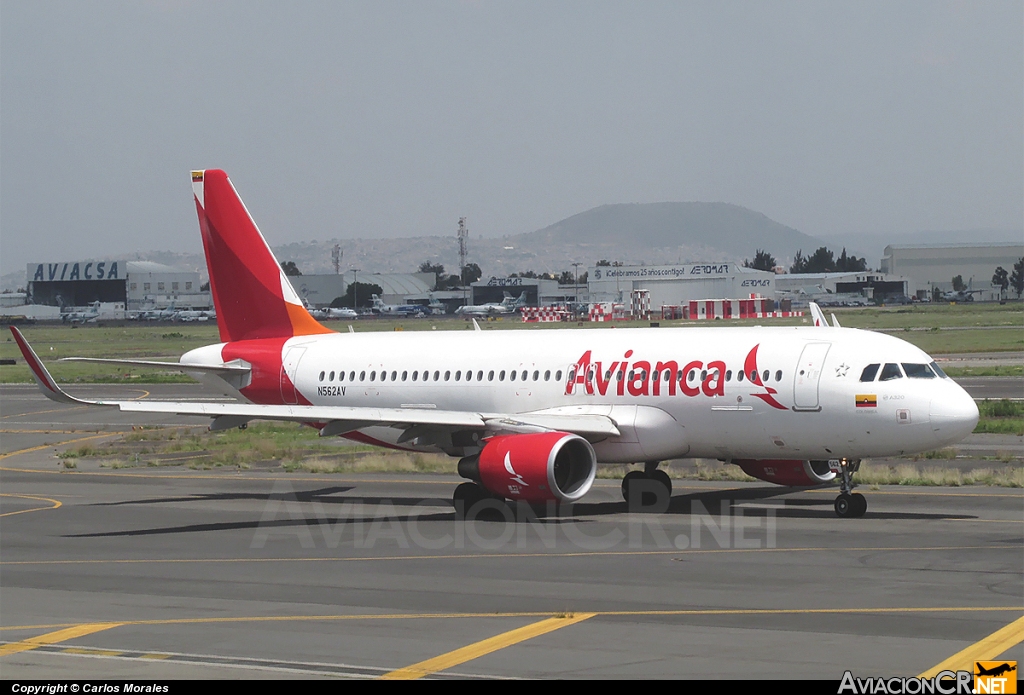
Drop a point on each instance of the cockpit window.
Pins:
(938, 370)
(918, 371)
(869, 372)
(890, 371)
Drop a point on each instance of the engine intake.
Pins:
(534, 467)
(787, 472)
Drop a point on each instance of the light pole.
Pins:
(576, 286)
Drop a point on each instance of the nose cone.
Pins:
(953, 416)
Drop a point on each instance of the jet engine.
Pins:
(786, 472)
(537, 467)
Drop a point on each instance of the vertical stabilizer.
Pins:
(250, 291)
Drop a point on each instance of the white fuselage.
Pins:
(807, 400)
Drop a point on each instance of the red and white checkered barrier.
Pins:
(753, 308)
(607, 311)
(640, 305)
(544, 314)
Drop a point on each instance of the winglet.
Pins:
(818, 316)
(835, 322)
(46, 383)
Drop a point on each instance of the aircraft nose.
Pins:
(953, 416)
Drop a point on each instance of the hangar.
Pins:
(933, 266)
(135, 284)
(673, 285)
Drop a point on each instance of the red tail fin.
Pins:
(250, 291)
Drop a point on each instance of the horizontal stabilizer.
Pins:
(229, 368)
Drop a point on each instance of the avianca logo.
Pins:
(634, 378)
(512, 471)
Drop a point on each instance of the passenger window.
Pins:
(330, 377)
(469, 375)
(536, 375)
(890, 371)
(480, 375)
(394, 375)
(703, 375)
(405, 375)
(341, 376)
(437, 375)
(917, 371)
(383, 376)
(490, 375)
(668, 374)
(558, 375)
(501, 375)
(373, 376)
(764, 377)
(321, 376)
(362, 376)
(739, 376)
(447, 375)
(778, 375)
(414, 375)
(512, 375)
(869, 372)
(753, 375)
(547, 375)
(523, 377)
(690, 376)
(458, 376)
(728, 375)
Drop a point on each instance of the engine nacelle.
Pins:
(534, 467)
(787, 472)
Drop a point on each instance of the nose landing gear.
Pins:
(849, 504)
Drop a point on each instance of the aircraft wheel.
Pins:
(860, 504)
(844, 506)
(465, 496)
(627, 480)
(661, 476)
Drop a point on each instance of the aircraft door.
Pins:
(290, 366)
(807, 376)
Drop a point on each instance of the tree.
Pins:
(471, 273)
(850, 264)
(603, 263)
(1001, 279)
(762, 261)
(364, 291)
(1017, 277)
(958, 284)
(437, 269)
(290, 269)
(566, 278)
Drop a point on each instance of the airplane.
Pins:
(379, 307)
(87, 316)
(192, 315)
(334, 313)
(508, 305)
(161, 314)
(960, 296)
(531, 415)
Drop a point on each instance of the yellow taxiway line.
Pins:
(986, 649)
(478, 649)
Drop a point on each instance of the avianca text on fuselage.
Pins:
(634, 378)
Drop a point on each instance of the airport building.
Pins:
(676, 285)
(539, 291)
(133, 284)
(318, 291)
(839, 289)
(933, 266)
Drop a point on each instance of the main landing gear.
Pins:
(647, 489)
(849, 504)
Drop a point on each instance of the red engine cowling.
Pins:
(787, 472)
(534, 467)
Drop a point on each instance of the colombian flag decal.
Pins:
(868, 400)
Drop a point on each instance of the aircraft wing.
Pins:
(333, 420)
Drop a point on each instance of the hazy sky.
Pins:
(377, 119)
